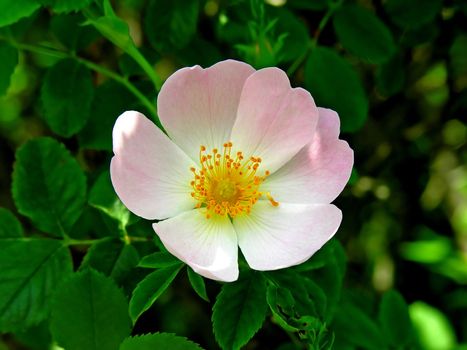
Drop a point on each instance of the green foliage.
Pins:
(31, 271)
(390, 76)
(363, 34)
(67, 102)
(90, 312)
(239, 310)
(102, 197)
(158, 341)
(112, 257)
(151, 288)
(70, 31)
(335, 84)
(9, 59)
(414, 13)
(394, 319)
(197, 282)
(10, 227)
(12, 11)
(175, 28)
(158, 260)
(48, 185)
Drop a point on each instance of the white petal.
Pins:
(209, 246)
(274, 121)
(273, 238)
(150, 174)
(198, 106)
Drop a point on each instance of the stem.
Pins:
(127, 239)
(91, 65)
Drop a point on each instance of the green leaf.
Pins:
(102, 197)
(97, 133)
(334, 84)
(240, 310)
(9, 59)
(48, 185)
(158, 341)
(69, 5)
(89, 312)
(112, 257)
(70, 31)
(197, 282)
(413, 13)
(432, 327)
(363, 34)
(316, 5)
(357, 328)
(394, 319)
(390, 76)
(10, 227)
(13, 11)
(150, 289)
(67, 102)
(175, 28)
(158, 260)
(30, 271)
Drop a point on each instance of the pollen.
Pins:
(227, 183)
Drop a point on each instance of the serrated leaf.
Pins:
(240, 310)
(158, 341)
(48, 185)
(102, 197)
(112, 257)
(67, 102)
(413, 13)
(10, 227)
(197, 282)
(394, 319)
(89, 312)
(158, 260)
(97, 133)
(335, 84)
(13, 11)
(363, 34)
(150, 289)
(9, 59)
(30, 271)
(357, 328)
(175, 28)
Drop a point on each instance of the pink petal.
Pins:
(209, 246)
(199, 106)
(150, 174)
(274, 121)
(319, 172)
(273, 238)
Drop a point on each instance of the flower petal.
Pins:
(199, 106)
(274, 121)
(273, 238)
(209, 246)
(319, 172)
(150, 174)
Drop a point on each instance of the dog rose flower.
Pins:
(248, 162)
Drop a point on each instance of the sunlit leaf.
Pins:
(197, 282)
(151, 288)
(239, 310)
(30, 272)
(13, 11)
(9, 59)
(90, 312)
(48, 185)
(158, 341)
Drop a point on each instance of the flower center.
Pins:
(227, 184)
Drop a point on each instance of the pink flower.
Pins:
(249, 162)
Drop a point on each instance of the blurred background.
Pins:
(401, 94)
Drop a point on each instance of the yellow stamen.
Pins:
(226, 184)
